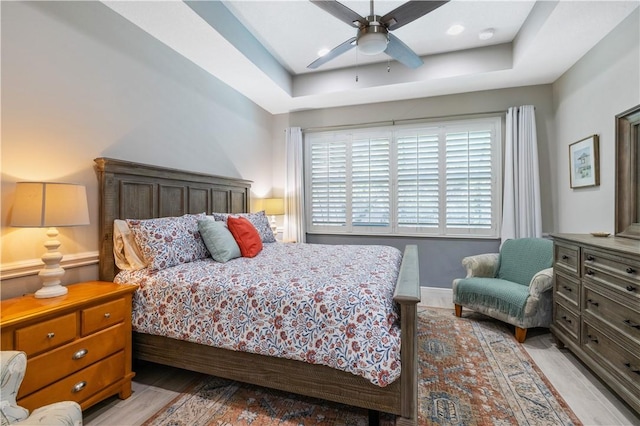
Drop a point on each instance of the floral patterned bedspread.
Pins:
(323, 304)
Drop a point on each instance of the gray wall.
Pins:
(605, 82)
(80, 82)
(440, 258)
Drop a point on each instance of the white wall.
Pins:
(605, 82)
(80, 82)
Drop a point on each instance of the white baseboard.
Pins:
(24, 268)
(436, 297)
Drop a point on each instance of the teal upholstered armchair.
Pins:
(513, 286)
(13, 365)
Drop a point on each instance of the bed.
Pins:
(138, 191)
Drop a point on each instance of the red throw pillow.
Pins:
(246, 235)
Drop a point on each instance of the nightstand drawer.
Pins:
(81, 385)
(46, 335)
(102, 316)
(71, 358)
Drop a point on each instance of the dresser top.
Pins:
(27, 306)
(622, 245)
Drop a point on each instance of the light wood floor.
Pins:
(154, 386)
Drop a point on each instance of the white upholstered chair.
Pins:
(13, 365)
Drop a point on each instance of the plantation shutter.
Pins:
(370, 185)
(468, 180)
(328, 183)
(418, 181)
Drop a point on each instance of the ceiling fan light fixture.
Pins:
(373, 39)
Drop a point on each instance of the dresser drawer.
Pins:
(81, 385)
(622, 318)
(567, 257)
(71, 358)
(622, 288)
(568, 289)
(618, 267)
(46, 335)
(613, 357)
(567, 321)
(103, 316)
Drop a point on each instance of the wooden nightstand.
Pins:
(78, 345)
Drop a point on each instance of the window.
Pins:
(439, 179)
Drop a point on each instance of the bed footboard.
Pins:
(407, 295)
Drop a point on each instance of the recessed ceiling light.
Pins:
(323, 52)
(486, 34)
(455, 29)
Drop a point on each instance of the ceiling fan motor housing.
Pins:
(373, 38)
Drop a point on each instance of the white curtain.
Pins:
(521, 212)
(293, 187)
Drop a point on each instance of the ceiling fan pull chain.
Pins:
(356, 65)
(388, 65)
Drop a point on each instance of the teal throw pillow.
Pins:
(219, 240)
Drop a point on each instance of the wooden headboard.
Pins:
(140, 191)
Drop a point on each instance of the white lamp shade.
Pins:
(271, 206)
(43, 204)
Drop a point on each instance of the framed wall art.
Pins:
(584, 162)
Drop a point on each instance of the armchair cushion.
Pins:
(522, 258)
(500, 295)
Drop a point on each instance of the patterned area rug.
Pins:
(472, 372)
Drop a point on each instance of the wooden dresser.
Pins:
(78, 345)
(597, 307)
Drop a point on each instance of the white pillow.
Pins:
(125, 250)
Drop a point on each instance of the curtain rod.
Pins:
(393, 122)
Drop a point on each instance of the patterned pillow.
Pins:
(169, 241)
(259, 220)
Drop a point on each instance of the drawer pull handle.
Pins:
(590, 258)
(78, 386)
(630, 324)
(569, 289)
(80, 354)
(628, 365)
(593, 303)
(590, 272)
(592, 338)
(630, 270)
(107, 315)
(565, 257)
(564, 317)
(51, 335)
(631, 288)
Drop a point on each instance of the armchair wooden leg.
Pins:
(458, 310)
(521, 334)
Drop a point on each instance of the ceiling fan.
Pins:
(374, 32)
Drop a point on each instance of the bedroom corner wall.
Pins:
(80, 82)
(605, 82)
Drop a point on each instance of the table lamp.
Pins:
(48, 205)
(272, 207)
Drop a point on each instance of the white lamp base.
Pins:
(52, 272)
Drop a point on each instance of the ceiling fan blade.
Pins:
(408, 12)
(341, 12)
(334, 53)
(402, 53)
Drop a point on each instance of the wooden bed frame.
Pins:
(138, 191)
